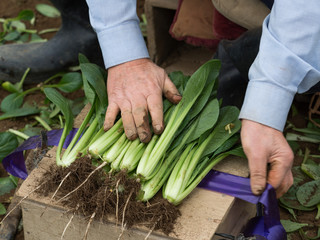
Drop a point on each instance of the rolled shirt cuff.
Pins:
(122, 44)
(267, 104)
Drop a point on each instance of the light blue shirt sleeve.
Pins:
(117, 27)
(288, 62)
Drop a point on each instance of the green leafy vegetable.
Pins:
(70, 82)
(6, 185)
(195, 86)
(47, 10)
(8, 142)
(55, 97)
(26, 15)
(308, 194)
(2, 209)
(290, 226)
(25, 110)
(11, 102)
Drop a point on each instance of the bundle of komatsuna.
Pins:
(102, 173)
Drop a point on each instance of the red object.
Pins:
(223, 28)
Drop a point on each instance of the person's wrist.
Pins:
(132, 63)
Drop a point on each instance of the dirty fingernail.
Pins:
(143, 136)
(257, 189)
(157, 128)
(177, 97)
(130, 133)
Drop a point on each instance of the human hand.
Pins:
(262, 145)
(135, 88)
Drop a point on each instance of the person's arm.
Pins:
(288, 62)
(117, 27)
(135, 85)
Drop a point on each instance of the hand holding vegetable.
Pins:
(262, 145)
(135, 88)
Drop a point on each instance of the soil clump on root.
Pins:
(106, 196)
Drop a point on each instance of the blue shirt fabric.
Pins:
(117, 27)
(288, 61)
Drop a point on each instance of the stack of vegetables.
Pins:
(198, 134)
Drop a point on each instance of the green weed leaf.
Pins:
(290, 200)
(8, 142)
(8, 86)
(308, 194)
(36, 38)
(6, 185)
(2, 209)
(11, 36)
(47, 10)
(26, 110)
(311, 168)
(70, 82)
(26, 15)
(290, 226)
(18, 25)
(11, 102)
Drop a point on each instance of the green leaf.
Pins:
(228, 144)
(228, 115)
(93, 75)
(8, 142)
(26, 110)
(55, 97)
(47, 10)
(11, 36)
(70, 82)
(6, 185)
(179, 80)
(307, 138)
(309, 130)
(311, 168)
(77, 105)
(299, 176)
(207, 120)
(11, 102)
(26, 15)
(83, 59)
(20, 26)
(290, 226)
(2, 209)
(203, 98)
(8, 86)
(36, 38)
(290, 200)
(31, 131)
(308, 194)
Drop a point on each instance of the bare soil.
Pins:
(107, 196)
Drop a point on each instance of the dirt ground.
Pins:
(10, 8)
